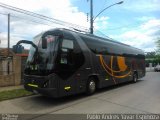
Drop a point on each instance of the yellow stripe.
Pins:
(67, 88)
(121, 63)
(101, 61)
(32, 85)
(107, 65)
(112, 69)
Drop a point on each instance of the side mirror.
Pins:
(18, 48)
(15, 48)
(44, 43)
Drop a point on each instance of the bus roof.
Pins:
(91, 36)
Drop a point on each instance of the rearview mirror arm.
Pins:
(27, 42)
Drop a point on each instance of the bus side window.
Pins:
(64, 56)
(67, 52)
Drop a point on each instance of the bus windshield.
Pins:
(42, 61)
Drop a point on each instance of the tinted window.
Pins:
(67, 52)
(68, 44)
(70, 58)
(105, 46)
(98, 47)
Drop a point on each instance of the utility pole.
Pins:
(91, 13)
(91, 16)
(8, 43)
(8, 33)
(0, 38)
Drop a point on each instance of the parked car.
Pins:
(157, 68)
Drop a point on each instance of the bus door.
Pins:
(70, 61)
(66, 67)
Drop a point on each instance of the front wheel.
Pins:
(91, 86)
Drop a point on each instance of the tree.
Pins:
(158, 45)
(158, 50)
(150, 54)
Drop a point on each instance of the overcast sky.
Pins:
(135, 22)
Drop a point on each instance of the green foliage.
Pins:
(152, 57)
(150, 54)
(158, 45)
(10, 94)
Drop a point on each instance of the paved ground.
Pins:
(141, 97)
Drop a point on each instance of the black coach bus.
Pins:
(63, 62)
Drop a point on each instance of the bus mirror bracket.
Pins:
(26, 42)
(44, 43)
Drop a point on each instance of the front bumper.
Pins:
(45, 85)
(51, 92)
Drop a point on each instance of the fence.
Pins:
(10, 71)
(6, 65)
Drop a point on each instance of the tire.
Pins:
(135, 78)
(91, 86)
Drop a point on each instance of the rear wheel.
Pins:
(91, 86)
(135, 77)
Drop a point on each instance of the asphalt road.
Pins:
(130, 98)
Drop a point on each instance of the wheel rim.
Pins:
(92, 86)
(135, 78)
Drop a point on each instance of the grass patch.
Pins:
(10, 94)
